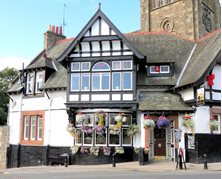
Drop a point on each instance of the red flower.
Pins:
(147, 117)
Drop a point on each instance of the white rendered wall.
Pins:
(187, 94)
(56, 120)
(14, 114)
(201, 119)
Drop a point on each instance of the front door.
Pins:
(159, 141)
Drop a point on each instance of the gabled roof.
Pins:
(100, 14)
(203, 59)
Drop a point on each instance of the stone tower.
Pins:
(190, 19)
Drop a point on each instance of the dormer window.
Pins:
(160, 70)
(34, 82)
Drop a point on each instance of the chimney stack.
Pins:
(53, 34)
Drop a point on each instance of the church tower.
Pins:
(190, 19)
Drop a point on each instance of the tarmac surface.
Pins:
(160, 166)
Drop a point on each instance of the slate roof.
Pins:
(204, 55)
(162, 101)
(161, 48)
(57, 79)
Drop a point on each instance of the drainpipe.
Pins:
(49, 109)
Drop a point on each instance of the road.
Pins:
(114, 174)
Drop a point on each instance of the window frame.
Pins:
(101, 81)
(30, 83)
(131, 81)
(39, 81)
(72, 65)
(79, 83)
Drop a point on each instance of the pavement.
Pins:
(158, 166)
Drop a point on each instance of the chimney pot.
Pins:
(53, 28)
(57, 30)
(49, 27)
(60, 30)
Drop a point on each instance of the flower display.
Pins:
(146, 149)
(101, 115)
(71, 129)
(106, 150)
(163, 122)
(187, 121)
(74, 149)
(213, 124)
(148, 122)
(120, 118)
(87, 129)
(80, 118)
(114, 130)
(132, 130)
(94, 150)
(84, 149)
(136, 150)
(100, 130)
(119, 150)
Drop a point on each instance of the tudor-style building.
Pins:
(103, 72)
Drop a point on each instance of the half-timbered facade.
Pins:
(102, 85)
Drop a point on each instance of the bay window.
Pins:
(90, 131)
(103, 77)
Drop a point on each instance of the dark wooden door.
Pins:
(159, 142)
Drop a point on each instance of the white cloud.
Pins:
(13, 62)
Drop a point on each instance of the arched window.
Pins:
(101, 66)
(101, 77)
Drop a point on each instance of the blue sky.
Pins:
(23, 23)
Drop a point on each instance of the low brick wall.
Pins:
(3, 146)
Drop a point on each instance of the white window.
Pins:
(75, 66)
(39, 129)
(127, 65)
(101, 66)
(26, 128)
(116, 65)
(101, 81)
(33, 128)
(126, 140)
(85, 66)
(101, 140)
(116, 81)
(215, 123)
(159, 69)
(85, 81)
(39, 81)
(164, 69)
(127, 81)
(75, 82)
(30, 80)
(78, 137)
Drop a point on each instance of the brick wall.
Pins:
(3, 146)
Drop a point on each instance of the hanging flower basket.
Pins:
(120, 119)
(187, 121)
(163, 122)
(146, 150)
(94, 150)
(148, 122)
(132, 130)
(101, 117)
(106, 150)
(74, 149)
(119, 150)
(80, 118)
(100, 130)
(114, 130)
(87, 129)
(71, 129)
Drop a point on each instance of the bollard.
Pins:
(180, 162)
(66, 161)
(205, 162)
(114, 160)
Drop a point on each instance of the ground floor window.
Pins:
(32, 127)
(103, 129)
